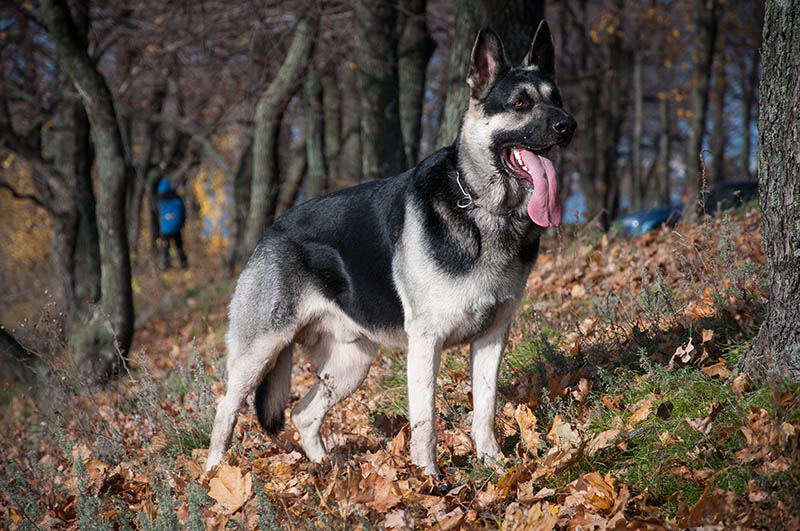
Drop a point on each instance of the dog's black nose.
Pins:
(565, 125)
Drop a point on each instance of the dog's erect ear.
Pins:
(542, 54)
(487, 62)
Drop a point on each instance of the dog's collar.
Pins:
(468, 202)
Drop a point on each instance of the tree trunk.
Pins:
(775, 352)
(638, 124)
(514, 20)
(237, 206)
(376, 59)
(719, 140)
(706, 24)
(414, 49)
(148, 148)
(21, 364)
(269, 112)
(332, 119)
(99, 349)
(350, 157)
(749, 84)
(314, 129)
(290, 187)
(664, 151)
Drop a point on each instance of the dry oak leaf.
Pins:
(230, 488)
(719, 369)
(527, 427)
(592, 500)
(641, 410)
(540, 516)
(703, 425)
(683, 354)
(562, 433)
(398, 520)
(386, 495)
(601, 441)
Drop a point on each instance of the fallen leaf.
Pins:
(562, 433)
(683, 354)
(230, 488)
(664, 410)
(601, 441)
(386, 495)
(400, 441)
(703, 425)
(527, 427)
(578, 291)
(718, 370)
(741, 384)
(398, 520)
(642, 409)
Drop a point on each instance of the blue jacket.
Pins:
(172, 211)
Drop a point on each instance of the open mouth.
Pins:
(535, 172)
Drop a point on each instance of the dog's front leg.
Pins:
(424, 356)
(485, 355)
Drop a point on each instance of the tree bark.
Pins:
(314, 129)
(332, 121)
(269, 112)
(382, 149)
(720, 138)
(99, 350)
(637, 190)
(664, 151)
(143, 167)
(706, 24)
(350, 158)
(775, 352)
(290, 187)
(414, 49)
(749, 83)
(514, 20)
(237, 206)
(21, 364)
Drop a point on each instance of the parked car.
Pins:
(643, 221)
(718, 198)
(730, 195)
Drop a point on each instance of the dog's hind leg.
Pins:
(341, 367)
(247, 364)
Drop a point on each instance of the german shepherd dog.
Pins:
(434, 257)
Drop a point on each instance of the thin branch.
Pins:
(197, 132)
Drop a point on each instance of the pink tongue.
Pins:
(544, 207)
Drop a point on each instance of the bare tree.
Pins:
(269, 111)
(706, 20)
(98, 349)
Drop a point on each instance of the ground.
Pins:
(618, 410)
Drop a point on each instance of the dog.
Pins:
(435, 257)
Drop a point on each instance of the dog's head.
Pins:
(515, 118)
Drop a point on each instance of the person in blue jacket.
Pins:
(172, 214)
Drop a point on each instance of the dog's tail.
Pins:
(272, 394)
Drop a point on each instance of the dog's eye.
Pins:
(520, 104)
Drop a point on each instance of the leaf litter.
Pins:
(563, 467)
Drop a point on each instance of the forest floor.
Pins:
(618, 409)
